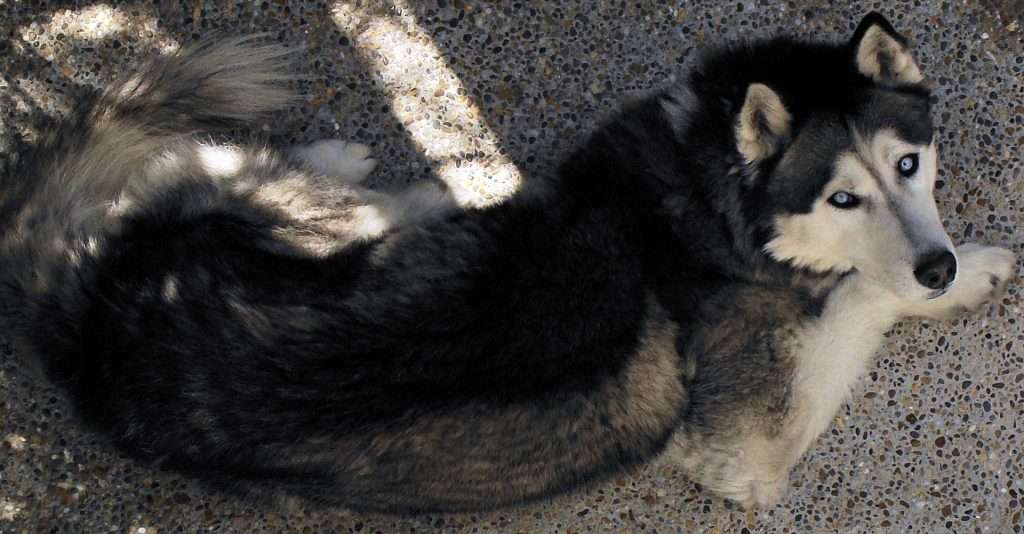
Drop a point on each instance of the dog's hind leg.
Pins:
(382, 211)
(416, 204)
(350, 162)
(327, 208)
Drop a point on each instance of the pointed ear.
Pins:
(764, 124)
(881, 53)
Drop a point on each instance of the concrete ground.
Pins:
(479, 94)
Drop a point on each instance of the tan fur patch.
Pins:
(797, 242)
(651, 393)
(763, 123)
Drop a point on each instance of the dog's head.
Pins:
(853, 178)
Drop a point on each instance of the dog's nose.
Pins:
(936, 270)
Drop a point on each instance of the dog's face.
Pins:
(859, 181)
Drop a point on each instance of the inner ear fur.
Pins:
(882, 54)
(764, 124)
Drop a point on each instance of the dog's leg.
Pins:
(332, 157)
(982, 275)
(415, 204)
(750, 461)
(326, 213)
(753, 470)
(831, 353)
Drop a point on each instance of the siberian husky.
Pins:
(702, 282)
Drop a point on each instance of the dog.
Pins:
(701, 282)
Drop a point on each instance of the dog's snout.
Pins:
(936, 270)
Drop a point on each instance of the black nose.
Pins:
(936, 270)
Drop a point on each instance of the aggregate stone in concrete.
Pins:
(483, 95)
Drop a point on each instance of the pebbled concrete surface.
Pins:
(480, 94)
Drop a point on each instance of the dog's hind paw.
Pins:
(333, 157)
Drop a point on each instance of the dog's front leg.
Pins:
(829, 355)
(982, 275)
(749, 460)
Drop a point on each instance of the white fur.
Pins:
(219, 161)
(418, 203)
(834, 351)
(332, 157)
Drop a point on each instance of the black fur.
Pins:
(475, 361)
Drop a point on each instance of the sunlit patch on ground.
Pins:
(52, 39)
(432, 104)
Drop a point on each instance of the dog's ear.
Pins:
(764, 124)
(880, 53)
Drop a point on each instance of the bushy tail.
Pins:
(55, 203)
(206, 88)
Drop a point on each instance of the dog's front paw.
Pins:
(983, 274)
(349, 161)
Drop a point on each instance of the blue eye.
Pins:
(844, 200)
(907, 165)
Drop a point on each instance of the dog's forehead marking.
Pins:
(864, 156)
(854, 171)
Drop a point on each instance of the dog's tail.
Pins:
(60, 199)
(207, 88)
